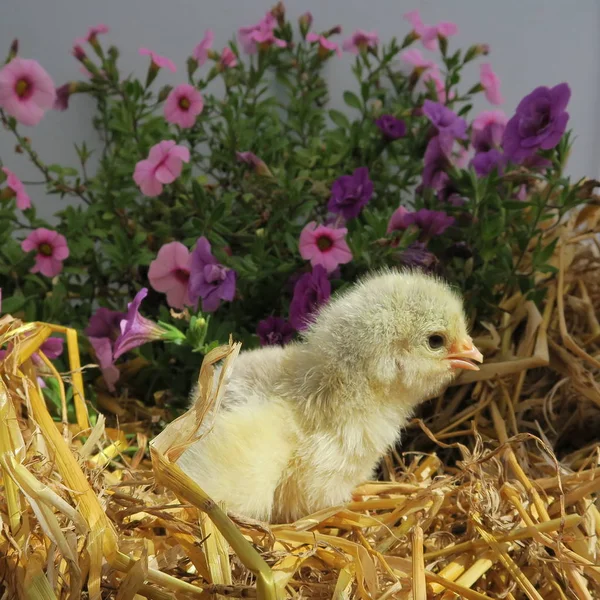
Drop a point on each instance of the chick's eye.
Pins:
(436, 341)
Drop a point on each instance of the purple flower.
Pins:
(485, 162)
(52, 348)
(436, 161)
(430, 222)
(488, 129)
(209, 280)
(391, 127)
(311, 291)
(350, 193)
(102, 332)
(539, 122)
(274, 331)
(135, 329)
(417, 255)
(446, 121)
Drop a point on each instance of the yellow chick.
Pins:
(300, 427)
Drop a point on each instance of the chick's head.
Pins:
(398, 329)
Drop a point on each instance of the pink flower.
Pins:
(184, 103)
(92, 34)
(15, 184)
(228, 58)
(159, 61)
(170, 273)
(163, 165)
(51, 248)
(361, 40)
(491, 84)
(324, 246)
(325, 46)
(429, 33)
(26, 90)
(435, 76)
(415, 58)
(200, 52)
(259, 35)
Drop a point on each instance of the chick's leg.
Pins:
(241, 460)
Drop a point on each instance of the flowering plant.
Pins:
(240, 212)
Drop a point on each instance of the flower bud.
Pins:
(13, 51)
(278, 11)
(304, 22)
(475, 51)
(164, 92)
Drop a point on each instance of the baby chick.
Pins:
(301, 426)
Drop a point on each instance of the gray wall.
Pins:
(533, 42)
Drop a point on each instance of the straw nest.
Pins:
(493, 495)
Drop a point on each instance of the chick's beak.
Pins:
(462, 355)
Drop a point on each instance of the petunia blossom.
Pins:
(261, 35)
(446, 121)
(17, 187)
(274, 331)
(361, 41)
(102, 332)
(184, 103)
(437, 159)
(391, 127)
(51, 250)
(209, 281)
(485, 162)
(417, 256)
(311, 291)
(163, 165)
(415, 58)
(351, 193)
(487, 130)
(200, 52)
(92, 35)
(228, 59)
(51, 348)
(159, 61)
(429, 33)
(325, 45)
(490, 82)
(539, 122)
(324, 246)
(26, 90)
(170, 273)
(136, 330)
(430, 222)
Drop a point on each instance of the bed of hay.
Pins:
(494, 493)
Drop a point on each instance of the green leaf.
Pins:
(339, 118)
(352, 100)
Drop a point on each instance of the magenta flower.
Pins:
(92, 34)
(228, 59)
(260, 35)
(350, 193)
(51, 250)
(539, 122)
(135, 329)
(158, 61)
(251, 159)
(200, 52)
(274, 331)
(391, 127)
(436, 162)
(488, 129)
(63, 93)
(51, 348)
(311, 291)
(17, 187)
(325, 45)
(325, 246)
(429, 33)
(163, 165)
(434, 76)
(102, 332)
(209, 280)
(416, 59)
(485, 162)
(417, 256)
(430, 222)
(170, 273)
(360, 41)
(26, 90)
(490, 83)
(184, 103)
(446, 121)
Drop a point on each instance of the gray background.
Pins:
(533, 42)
